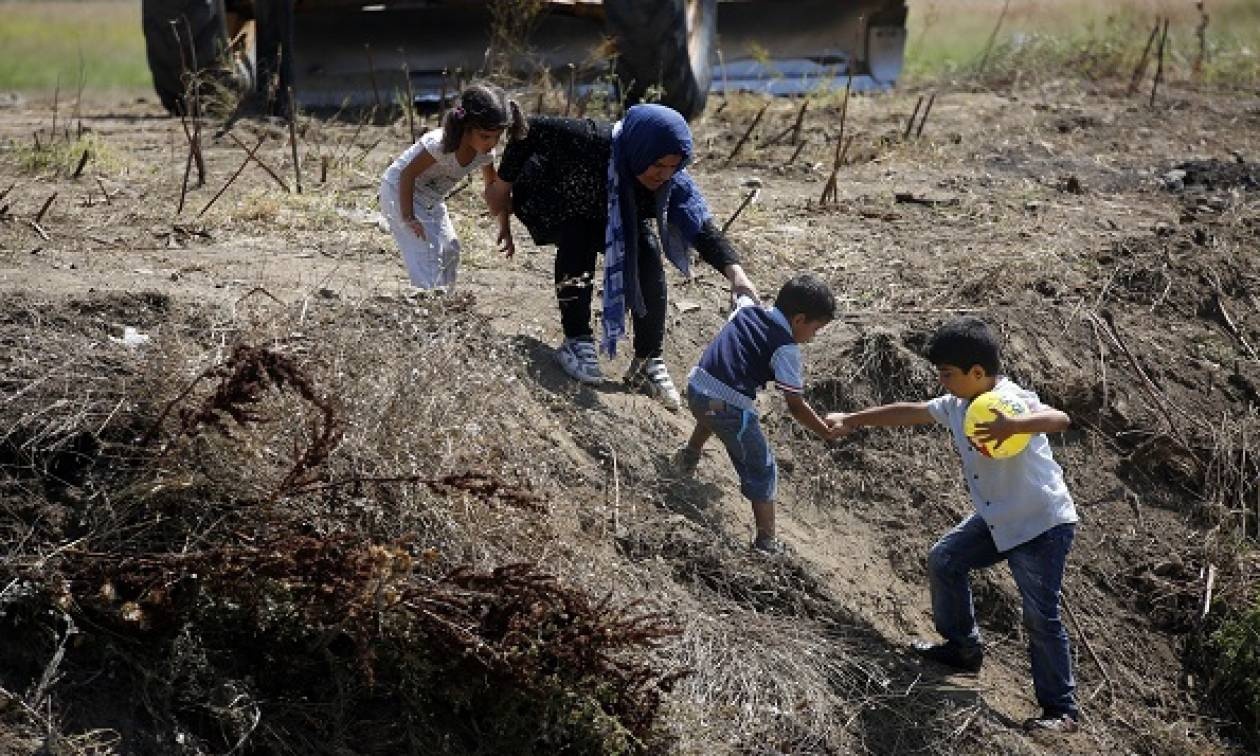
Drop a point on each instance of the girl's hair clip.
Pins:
(458, 110)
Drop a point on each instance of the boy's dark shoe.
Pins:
(951, 655)
(685, 461)
(1051, 722)
(768, 545)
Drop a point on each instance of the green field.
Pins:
(43, 41)
(50, 39)
(950, 35)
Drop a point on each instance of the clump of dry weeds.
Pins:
(327, 527)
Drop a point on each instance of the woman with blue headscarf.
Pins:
(622, 189)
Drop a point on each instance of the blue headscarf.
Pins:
(646, 134)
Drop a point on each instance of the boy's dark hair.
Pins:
(482, 106)
(963, 342)
(806, 294)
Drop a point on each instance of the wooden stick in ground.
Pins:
(796, 153)
(376, 92)
(1200, 32)
(47, 204)
(748, 198)
(1159, 63)
(568, 103)
(913, 114)
(844, 117)
(78, 171)
(1140, 68)
(260, 163)
(196, 110)
(794, 129)
(988, 48)
(297, 164)
(104, 191)
(411, 103)
(830, 191)
(926, 111)
(183, 185)
(1207, 592)
(751, 127)
(56, 96)
(1080, 633)
(234, 176)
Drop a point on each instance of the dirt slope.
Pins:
(1112, 244)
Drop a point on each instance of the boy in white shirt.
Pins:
(1023, 515)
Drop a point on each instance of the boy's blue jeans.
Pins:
(1037, 567)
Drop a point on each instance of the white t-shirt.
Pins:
(1019, 497)
(439, 179)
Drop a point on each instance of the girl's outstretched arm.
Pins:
(500, 209)
(407, 190)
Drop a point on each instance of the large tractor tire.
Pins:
(665, 44)
(171, 51)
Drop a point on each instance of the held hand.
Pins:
(839, 427)
(417, 227)
(506, 245)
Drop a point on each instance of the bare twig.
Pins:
(78, 171)
(794, 129)
(1232, 327)
(1208, 584)
(988, 47)
(262, 138)
(376, 92)
(913, 114)
(796, 153)
(411, 103)
(1080, 632)
(44, 208)
(1200, 32)
(259, 161)
(748, 198)
(297, 164)
(1140, 68)
(747, 133)
(1159, 63)
(926, 111)
(568, 103)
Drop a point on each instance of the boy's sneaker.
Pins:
(652, 375)
(685, 461)
(1051, 722)
(579, 360)
(951, 655)
(768, 545)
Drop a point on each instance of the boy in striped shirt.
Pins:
(757, 345)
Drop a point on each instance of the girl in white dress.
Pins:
(415, 186)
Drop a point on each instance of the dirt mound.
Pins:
(263, 498)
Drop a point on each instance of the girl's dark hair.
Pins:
(963, 342)
(482, 106)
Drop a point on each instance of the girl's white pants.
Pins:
(431, 262)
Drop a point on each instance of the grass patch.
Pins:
(1078, 38)
(44, 42)
(62, 156)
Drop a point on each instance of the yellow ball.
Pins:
(984, 409)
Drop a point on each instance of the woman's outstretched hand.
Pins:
(499, 197)
(740, 283)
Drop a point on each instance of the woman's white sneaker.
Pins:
(651, 373)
